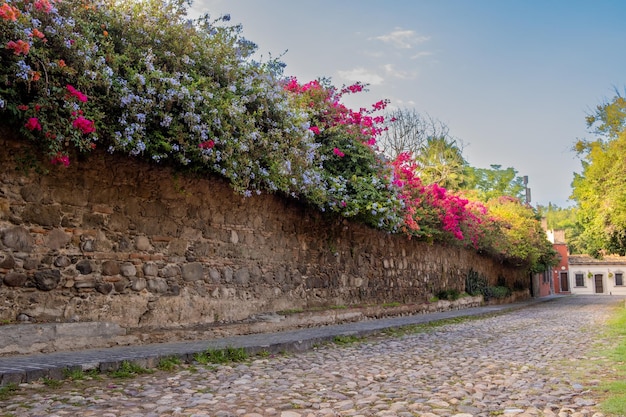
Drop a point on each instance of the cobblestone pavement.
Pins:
(521, 363)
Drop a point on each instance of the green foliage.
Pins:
(391, 304)
(494, 182)
(128, 370)
(169, 363)
(52, 383)
(600, 190)
(6, 391)
(344, 340)
(438, 154)
(497, 292)
(441, 161)
(558, 218)
(475, 283)
(451, 294)
(613, 387)
(78, 374)
(608, 120)
(566, 219)
(221, 356)
(520, 237)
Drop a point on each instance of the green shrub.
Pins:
(497, 292)
(475, 283)
(451, 294)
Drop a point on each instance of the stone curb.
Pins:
(28, 368)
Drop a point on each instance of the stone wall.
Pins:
(113, 239)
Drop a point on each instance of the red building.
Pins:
(560, 272)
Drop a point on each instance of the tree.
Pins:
(565, 219)
(609, 118)
(488, 183)
(439, 156)
(440, 161)
(600, 190)
(407, 131)
(520, 237)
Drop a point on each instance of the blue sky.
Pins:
(513, 80)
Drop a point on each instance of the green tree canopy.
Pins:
(600, 190)
(441, 161)
(488, 183)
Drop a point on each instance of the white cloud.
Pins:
(403, 39)
(362, 75)
(421, 55)
(397, 103)
(403, 75)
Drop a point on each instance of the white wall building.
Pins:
(588, 275)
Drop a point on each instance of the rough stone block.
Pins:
(15, 279)
(192, 271)
(47, 280)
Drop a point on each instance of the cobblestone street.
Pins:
(520, 363)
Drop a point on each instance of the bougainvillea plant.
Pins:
(141, 78)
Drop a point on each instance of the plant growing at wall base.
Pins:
(475, 283)
(450, 294)
(221, 356)
(128, 370)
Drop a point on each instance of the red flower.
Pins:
(207, 145)
(33, 124)
(22, 107)
(74, 92)
(337, 152)
(84, 125)
(315, 130)
(59, 158)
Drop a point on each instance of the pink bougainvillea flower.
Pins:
(33, 124)
(207, 144)
(380, 105)
(315, 130)
(60, 158)
(84, 125)
(43, 5)
(19, 47)
(293, 85)
(355, 88)
(74, 92)
(338, 152)
(9, 12)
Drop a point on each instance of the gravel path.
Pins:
(522, 363)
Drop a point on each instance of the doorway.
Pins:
(598, 282)
(564, 282)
